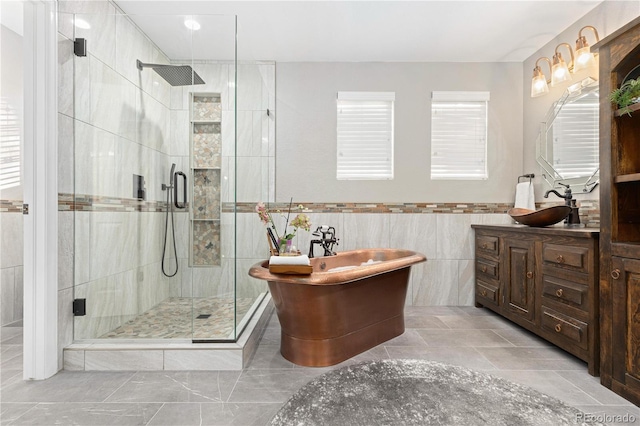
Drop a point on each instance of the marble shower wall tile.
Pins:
(131, 45)
(65, 249)
(246, 285)
(466, 282)
(365, 231)
(101, 34)
(249, 184)
(95, 166)
(65, 75)
(455, 235)
(7, 295)
(115, 243)
(82, 247)
(179, 140)
(152, 123)
(215, 76)
(249, 87)
(207, 281)
(65, 322)
(206, 107)
(11, 240)
(113, 101)
(65, 154)
(414, 232)
(435, 283)
(82, 88)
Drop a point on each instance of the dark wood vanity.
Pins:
(545, 280)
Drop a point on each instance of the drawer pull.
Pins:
(558, 328)
(484, 246)
(615, 274)
(484, 269)
(529, 274)
(483, 293)
(559, 292)
(560, 259)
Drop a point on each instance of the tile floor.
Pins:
(474, 338)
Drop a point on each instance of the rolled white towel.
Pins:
(290, 260)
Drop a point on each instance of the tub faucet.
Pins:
(327, 241)
(574, 216)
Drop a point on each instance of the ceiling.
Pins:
(358, 31)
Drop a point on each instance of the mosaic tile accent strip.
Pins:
(173, 319)
(84, 202)
(206, 194)
(589, 209)
(392, 207)
(207, 145)
(207, 108)
(11, 206)
(206, 242)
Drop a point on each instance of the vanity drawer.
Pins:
(486, 293)
(488, 245)
(489, 268)
(568, 328)
(564, 291)
(572, 257)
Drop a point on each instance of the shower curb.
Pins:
(178, 356)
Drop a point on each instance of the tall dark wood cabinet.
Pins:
(619, 218)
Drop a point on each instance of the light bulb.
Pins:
(192, 25)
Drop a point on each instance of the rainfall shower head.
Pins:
(175, 75)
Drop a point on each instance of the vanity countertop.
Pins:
(547, 230)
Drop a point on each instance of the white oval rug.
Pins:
(416, 392)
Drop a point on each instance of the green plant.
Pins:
(627, 95)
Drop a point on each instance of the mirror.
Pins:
(568, 142)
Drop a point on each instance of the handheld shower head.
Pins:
(173, 169)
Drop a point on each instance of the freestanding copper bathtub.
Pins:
(350, 303)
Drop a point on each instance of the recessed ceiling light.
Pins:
(81, 23)
(192, 25)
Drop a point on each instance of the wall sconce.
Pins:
(584, 57)
(560, 70)
(539, 84)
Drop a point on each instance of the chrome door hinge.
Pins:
(25, 209)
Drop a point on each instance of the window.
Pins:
(365, 135)
(9, 146)
(459, 135)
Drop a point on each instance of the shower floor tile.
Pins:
(175, 318)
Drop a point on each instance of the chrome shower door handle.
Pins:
(175, 190)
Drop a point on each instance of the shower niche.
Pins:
(206, 159)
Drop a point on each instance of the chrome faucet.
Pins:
(327, 241)
(574, 216)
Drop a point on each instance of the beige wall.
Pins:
(607, 17)
(306, 130)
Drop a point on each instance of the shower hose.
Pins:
(173, 235)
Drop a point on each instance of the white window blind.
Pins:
(459, 135)
(9, 146)
(365, 135)
(576, 126)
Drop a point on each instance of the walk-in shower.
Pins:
(174, 264)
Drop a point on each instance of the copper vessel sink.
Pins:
(543, 217)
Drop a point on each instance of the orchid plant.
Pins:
(301, 221)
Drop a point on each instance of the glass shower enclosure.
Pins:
(158, 138)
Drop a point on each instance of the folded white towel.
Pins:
(290, 260)
(525, 198)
